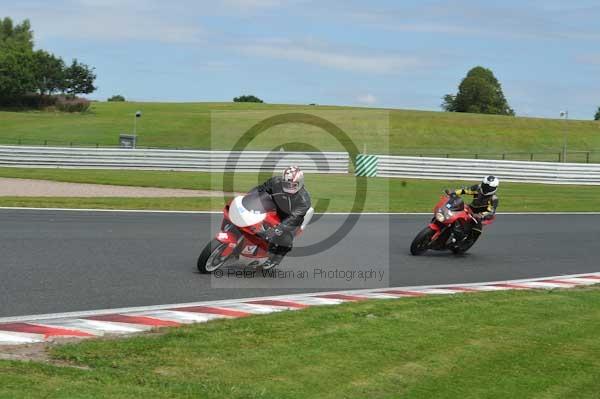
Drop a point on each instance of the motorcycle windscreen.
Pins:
(452, 203)
(456, 204)
(259, 202)
(250, 209)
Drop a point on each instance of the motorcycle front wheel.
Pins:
(420, 244)
(210, 259)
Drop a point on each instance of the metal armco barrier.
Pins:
(474, 169)
(319, 162)
(205, 161)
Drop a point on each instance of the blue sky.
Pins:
(400, 54)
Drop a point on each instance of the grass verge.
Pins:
(496, 345)
(334, 193)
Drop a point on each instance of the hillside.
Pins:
(189, 125)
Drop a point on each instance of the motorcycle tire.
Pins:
(461, 249)
(420, 244)
(210, 254)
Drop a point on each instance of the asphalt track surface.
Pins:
(60, 261)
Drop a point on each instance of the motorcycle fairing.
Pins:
(242, 217)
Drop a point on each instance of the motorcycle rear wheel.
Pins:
(420, 244)
(210, 259)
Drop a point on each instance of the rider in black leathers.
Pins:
(293, 202)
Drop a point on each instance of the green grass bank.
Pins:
(219, 125)
(540, 344)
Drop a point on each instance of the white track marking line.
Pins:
(220, 212)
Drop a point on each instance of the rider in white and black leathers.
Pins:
(485, 200)
(293, 202)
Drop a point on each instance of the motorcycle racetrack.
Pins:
(61, 261)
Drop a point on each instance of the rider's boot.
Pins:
(273, 261)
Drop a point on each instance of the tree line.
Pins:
(247, 98)
(37, 78)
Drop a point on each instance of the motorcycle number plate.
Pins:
(249, 249)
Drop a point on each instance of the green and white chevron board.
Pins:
(366, 165)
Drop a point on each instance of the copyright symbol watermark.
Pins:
(328, 128)
(342, 248)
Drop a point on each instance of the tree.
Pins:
(116, 98)
(479, 92)
(16, 59)
(79, 79)
(49, 73)
(597, 116)
(247, 99)
(16, 75)
(20, 35)
(25, 72)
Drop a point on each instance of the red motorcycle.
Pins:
(454, 227)
(241, 239)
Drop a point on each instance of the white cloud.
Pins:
(465, 18)
(108, 20)
(331, 58)
(368, 99)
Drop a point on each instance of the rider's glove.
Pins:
(450, 193)
(273, 232)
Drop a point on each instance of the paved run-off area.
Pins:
(10, 187)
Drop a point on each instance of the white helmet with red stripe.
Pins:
(293, 179)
